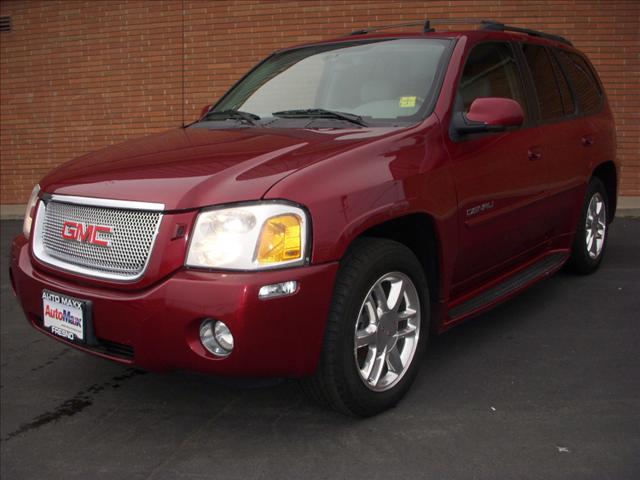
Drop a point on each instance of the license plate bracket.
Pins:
(68, 317)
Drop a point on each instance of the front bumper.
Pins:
(157, 328)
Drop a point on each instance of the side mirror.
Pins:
(205, 109)
(489, 114)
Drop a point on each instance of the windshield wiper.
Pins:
(320, 113)
(250, 118)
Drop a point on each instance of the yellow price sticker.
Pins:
(407, 102)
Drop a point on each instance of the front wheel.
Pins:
(376, 331)
(591, 235)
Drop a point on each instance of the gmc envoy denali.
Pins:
(343, 200)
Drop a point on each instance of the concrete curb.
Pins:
(627, 207)
(12, 212)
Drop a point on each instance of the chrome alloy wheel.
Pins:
(595, 225)
(387, 331)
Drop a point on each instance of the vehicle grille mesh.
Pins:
(131, 239)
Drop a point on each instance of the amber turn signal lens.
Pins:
(280, 240)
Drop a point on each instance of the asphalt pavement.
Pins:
(546, 386)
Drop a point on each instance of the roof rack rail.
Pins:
(425, 27)
(501, 27)
(486, 25)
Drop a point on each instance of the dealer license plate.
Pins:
(64, 316)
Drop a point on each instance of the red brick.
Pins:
(78, 75)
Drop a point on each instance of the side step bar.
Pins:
(534, 272)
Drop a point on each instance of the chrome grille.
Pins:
(130, 241)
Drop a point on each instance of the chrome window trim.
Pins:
(108, 203)
(40, 253)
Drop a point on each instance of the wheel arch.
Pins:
(419, 233)
(608, 175)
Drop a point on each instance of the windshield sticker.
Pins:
(407, 102)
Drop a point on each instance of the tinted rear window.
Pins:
(584, 81)
(554, 96)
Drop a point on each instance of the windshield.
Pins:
(384, 82)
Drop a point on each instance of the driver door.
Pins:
(499, 176)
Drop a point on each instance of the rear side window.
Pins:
(554, 96)
(490, 71)
(584, 81)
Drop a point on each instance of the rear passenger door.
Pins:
(499, 178)
(564, 136)
(590, 135)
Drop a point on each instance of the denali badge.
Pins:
(479, 208)
(82, 232)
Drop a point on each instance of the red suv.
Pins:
(341, 201)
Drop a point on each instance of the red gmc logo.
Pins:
(82, 232)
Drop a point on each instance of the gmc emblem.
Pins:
(82, 232)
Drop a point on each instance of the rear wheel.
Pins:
(376, 330)
(592, 232)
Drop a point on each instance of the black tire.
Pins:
(581, 261)
(337, 382)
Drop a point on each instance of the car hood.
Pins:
(193, 167)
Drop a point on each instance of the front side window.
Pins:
(491, 71)
(584, 82)
(552, 91)
(385, 82)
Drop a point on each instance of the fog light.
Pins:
(216, 337)
(223, 336)
(278, 289)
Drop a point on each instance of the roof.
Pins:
(490, 31)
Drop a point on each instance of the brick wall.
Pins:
(79, 75)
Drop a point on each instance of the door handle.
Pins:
(533, 154)
(587, 141)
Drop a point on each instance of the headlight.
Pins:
(31, 210)
(249, 237)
